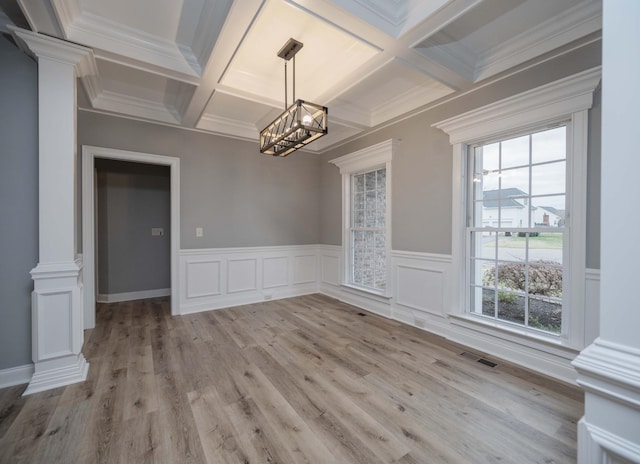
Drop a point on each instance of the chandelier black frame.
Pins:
(299, 124)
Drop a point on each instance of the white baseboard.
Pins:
(129, 296)
(16, 375)
(241, 300)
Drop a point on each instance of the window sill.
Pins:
(557, 345)
(367, 292)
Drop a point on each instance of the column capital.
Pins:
(41, 46)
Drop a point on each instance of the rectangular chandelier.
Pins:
(300, 124)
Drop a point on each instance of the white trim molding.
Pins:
(130, 296)
(532, 108)
(16, 375)
(610, 375)
(89, 154)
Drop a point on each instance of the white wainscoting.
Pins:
(421, 295)
(222, 277)
(421, 289)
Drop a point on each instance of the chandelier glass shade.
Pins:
(299, 124)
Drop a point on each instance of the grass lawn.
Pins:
(544, 240)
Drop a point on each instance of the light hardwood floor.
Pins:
(302, 380)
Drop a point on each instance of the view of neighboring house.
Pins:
(513, 204)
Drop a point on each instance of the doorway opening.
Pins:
(93, 157)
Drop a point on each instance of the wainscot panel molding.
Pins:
(216, 278)
(420, 284)
(421, 295)
(129, 296)
(16, 375)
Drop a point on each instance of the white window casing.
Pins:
(568, 99)
(368, 159)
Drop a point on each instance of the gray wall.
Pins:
(132, 199)
(422, 165)
(18, 201)
(238, 196)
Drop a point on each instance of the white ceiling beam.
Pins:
(239, 20)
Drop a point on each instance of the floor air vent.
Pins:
(361, 314)
(476, 358)
(486, 362)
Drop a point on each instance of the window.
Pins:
(366, 238)
(368, 230)
(516, 229)
(517, 164)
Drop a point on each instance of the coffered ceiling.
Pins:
(212, 64)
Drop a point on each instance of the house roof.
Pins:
(506, 198)
(551, 209)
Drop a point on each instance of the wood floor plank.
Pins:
(255, 435)
(306, 379)
(217, 435)
(67, 426)
(141, 440)
(11, 403)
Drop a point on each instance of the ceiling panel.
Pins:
(328, 53)
(393, 90)
(213, 65)
(159, 18)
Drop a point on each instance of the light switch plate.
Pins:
(199, 232)
(157, 231)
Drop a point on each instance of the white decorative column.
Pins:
(609, 369)
(57, 329)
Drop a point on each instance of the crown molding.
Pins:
(574, 23)
(536, 106)
(223, 126)
(380, 153)
(127, 104)
(41, 46)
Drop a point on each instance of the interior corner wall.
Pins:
(238, 197)
(18, 201)
(422, 163)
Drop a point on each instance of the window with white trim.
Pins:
(516, 229)
(366, 212)
(513, 150)
(368, 230)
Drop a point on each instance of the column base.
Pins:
(56, 320)
(59, 373)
